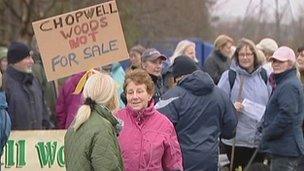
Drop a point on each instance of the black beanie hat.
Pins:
(17, 52)
(183, 65)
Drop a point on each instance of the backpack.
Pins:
(232, 76)
(5, 128)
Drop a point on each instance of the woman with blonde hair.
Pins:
(91, 142)
(219, 60)
(184, 47)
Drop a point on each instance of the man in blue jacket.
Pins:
(282, 136)
(201, 113)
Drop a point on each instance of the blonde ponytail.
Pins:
(82, 115)
(99, 89)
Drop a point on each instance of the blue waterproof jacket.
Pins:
(282, 127)
(5, 122)
(201, 113)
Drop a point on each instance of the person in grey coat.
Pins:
(200, 112)
(26, 104)
(250, 90)
(282, 136)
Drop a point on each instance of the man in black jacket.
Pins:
(26, 104)
(201, 113)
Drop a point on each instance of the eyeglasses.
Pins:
(245, 54)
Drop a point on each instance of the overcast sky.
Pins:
(227, 9)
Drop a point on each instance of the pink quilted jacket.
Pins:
(148, 141)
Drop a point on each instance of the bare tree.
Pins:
(150, 20)
(18, 16)
(263, 20)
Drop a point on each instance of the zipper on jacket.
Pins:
(139, 118)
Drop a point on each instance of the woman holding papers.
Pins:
(247, 85)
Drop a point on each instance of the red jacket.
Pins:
(148, 141)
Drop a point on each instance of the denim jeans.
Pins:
(279, 163)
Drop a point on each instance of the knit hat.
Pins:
(3, 52)
(183, 65)
(17, 52)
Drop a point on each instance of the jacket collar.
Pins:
(143, 113)
(236, 67)
(284, 75)
(107, 114)
(219, 55)
(25, 78)
(155, 79)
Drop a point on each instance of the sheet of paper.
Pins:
(223, 160)
(253, 110)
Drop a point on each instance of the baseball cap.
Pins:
(284, 53)
(152, 54)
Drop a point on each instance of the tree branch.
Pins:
(11, 8)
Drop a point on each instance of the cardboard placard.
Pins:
(80, 40)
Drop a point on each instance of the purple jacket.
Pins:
(148, 141)
(67, 102)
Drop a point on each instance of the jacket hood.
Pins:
(235, 67)
(198, 83)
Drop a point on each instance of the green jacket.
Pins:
(94, 145)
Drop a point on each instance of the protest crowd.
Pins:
(244, 104)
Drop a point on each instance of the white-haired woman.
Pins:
(183, 48)
(91, 140)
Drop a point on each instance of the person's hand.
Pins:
(239, 106)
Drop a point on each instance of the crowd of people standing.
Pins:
(167, 113)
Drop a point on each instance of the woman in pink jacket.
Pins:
(148, 139)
